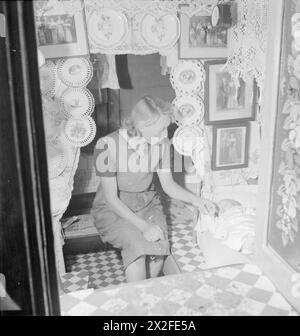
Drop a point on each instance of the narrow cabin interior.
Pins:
(219, 234)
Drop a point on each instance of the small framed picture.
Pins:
(225, 101)
(60, 34)
(230, 146)
(199, 39)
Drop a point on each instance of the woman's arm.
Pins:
(174, 190)
(110, 190)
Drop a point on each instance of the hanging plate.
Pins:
(77, 103)
(80, 132)
(108, 28)
(160, 33)
(187, 139)
(75, 72)
(188, 110)
(188, 77)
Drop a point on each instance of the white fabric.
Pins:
(235, 228)
(111, 81)
(248, 42)
(41, 58)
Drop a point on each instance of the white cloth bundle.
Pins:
(235, 226)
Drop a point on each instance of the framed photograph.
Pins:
(226, 102)
(60, 34)
(230, 146)
(199, 39)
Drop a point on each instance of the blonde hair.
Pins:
(147, 111)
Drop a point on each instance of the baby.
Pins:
(227, 204)
(233, 224)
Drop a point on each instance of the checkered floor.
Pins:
(187, 254)
(230, 291)
(238, 290)
(105, 268)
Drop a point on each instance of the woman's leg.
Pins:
(155, 266)
(136, 271)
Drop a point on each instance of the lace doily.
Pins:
(48, 79)
(70, 7)
(248, 42)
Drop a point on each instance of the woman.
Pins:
(127, 212)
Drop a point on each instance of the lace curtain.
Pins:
(247, 45)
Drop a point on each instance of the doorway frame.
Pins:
(32, 221)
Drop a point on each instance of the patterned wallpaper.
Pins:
(284, 233)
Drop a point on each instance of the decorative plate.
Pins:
(57, 160)
(187, 139)
(47, 79)
(75, 72)
(108, 28)
(188, 77)
(188, 110)
(77, 103)
(80, 132)
(160, 33)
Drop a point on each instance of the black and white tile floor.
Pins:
(105, 268)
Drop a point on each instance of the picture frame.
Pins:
(199, 39)
(224, 101)
(60, 34)
(230, 149)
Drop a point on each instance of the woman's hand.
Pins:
(206, 207)
(153, 233)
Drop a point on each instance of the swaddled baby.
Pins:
(234, 225)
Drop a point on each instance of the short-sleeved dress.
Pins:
(114, 157)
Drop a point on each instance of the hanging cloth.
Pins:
(123, 72)
(110, 81)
